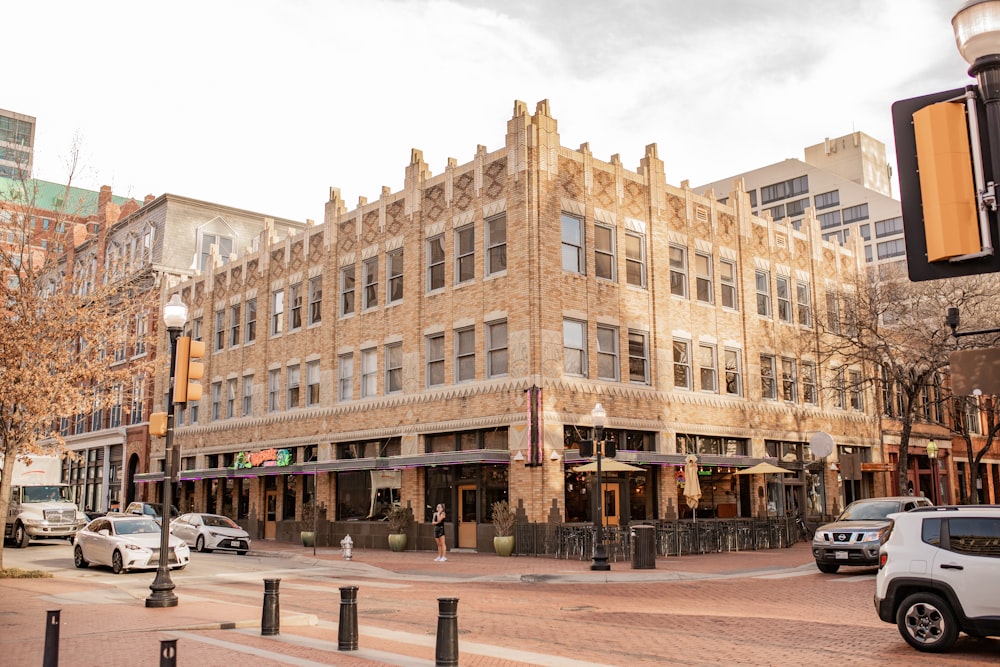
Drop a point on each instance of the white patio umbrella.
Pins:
(692, 487)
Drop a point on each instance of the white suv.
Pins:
(939, 573)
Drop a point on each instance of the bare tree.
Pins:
(895, 331)
(61, 321)
(968, 410)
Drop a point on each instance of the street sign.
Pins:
(943, 224)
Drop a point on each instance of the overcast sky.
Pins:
(265, 105)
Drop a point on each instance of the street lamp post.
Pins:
(932, 452)
(977, 34)
(174, 316)
(600, 562)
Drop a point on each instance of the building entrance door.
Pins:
(270, 514)
(609, 506)
(468, 516)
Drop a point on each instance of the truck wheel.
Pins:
(21, 537)
(827, 568)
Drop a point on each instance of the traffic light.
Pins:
(158, 424)
(609, 449)
(188, 368)
(586, 448)
(937, 142)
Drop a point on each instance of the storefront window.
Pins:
(353, 495)
(288, 497)
(711, 445)
(243, 509)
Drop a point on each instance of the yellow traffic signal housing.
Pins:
(158, 424)
(188, 369)
(951, 224)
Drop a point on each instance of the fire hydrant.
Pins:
(347, 544)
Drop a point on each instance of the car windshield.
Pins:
(136, 527)
(45, 494)
(869, 511)
(214, 521)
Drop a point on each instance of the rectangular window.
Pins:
(762, 280)
(856, 391)
(776, 212)
(796, 208)
(230, 398)
(393, 368)
(604, 252)
(887, 227)
(784, 299)
(295, 305)
(294, 382)
(803, 302)
(837, 389)
(678, 271)
(832, 313)
(734, 373)
(789, 380)
(235, 318)
(315, 300)
(224, 245)
(572, 244)
(216, 401)
(435, 359)
(141, 333)
(827, 199)
(607, 352)
(767, 385)
(784, 189)
(247, 395)
(496, 349)
(345, 377)
(465, 354)
(827, 220)
(496, 244)
(465, 254)
(250, 331)
(347, 290)
(369, 373)
(312, 382)
(682, 364)
(727, 278)
(273, 390)
(574, 348)
(220, 330)
(855, 213)
(394, 276)
(708, 371)
(703, 278)
(893, 248)
(809, 393)
(370, 293)
(866, 231)
(635, 259)
(638, 357)
(435, 263)
(277, 311)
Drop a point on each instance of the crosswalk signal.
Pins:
(189, 368)
(158, 424)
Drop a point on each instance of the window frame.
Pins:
(704, 284)
(313, 386)
(636, 262)
(607, 334)
(369, 279)
(768, 378)
(734, 373)
(573, 354)
(394, 368)
(348, 285)
(681, 350)
(708, 352)
(345, 376)
(496, 248)
(678, 270)
(762, 279)
(495, 348)
(277, 311)
(605, 251)
(315, 300)
(393, 277)
(729, 284)
(436, 256)
(573, 249)
(465, 254)
(434, 348)
(465, 351)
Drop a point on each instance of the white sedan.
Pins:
(126, 542)
(208, 532)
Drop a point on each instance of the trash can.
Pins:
(643, 547)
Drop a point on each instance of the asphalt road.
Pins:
(753, 608)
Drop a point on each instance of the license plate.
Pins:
(840, 555)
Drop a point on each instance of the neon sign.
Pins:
(267, 458)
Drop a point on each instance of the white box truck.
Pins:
(40, 507)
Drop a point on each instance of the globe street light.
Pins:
(600, 562)
(977, 34)
(175, 315)
(932, 453)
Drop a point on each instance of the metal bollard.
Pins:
(446, 651)
(51, 657)
(347, 544)
(168, 653)
(270, 618)
(347, 630)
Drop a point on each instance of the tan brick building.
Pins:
(396, 351)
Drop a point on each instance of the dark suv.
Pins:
(856, 535)
(939, 573)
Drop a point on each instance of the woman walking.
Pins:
(438, 521)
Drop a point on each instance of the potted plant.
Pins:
(503, 527)
(400, 519)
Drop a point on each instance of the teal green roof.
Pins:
(49, 197)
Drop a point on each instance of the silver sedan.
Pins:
(208, 532)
